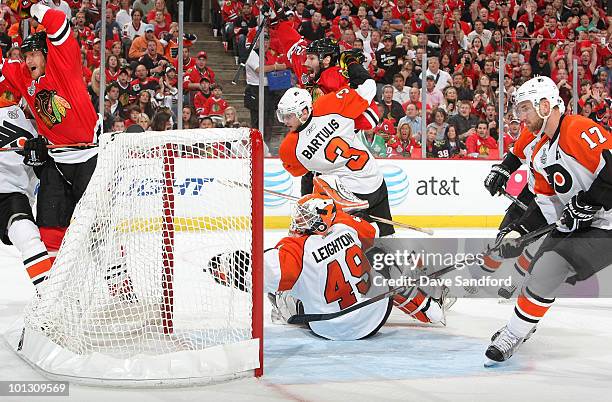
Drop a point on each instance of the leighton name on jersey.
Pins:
(319, 138)
(331, 248)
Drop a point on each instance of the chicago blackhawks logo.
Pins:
(51, 107)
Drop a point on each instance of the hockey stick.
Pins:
(54, 146)
(513, 199)
(242, 66)
(294, 198)
(301, 319)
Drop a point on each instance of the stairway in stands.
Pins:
(224, 66)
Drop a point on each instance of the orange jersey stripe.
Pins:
(524, 139)
(291, 258)
(287, 154)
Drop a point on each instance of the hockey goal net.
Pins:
(132, 297)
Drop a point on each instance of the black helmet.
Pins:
(325, 47)
(37, 41)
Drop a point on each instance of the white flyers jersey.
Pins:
(328, 274)
(15, 177)
(327, 142)
(569, 163)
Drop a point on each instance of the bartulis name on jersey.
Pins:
(319, 139)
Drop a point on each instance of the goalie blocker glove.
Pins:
(35, 152)
(500, 174)
(577, 214)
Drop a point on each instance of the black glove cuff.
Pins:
(357, 74)
(511, 162)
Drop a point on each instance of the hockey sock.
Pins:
(417, 307)
(490, 263)
(528, 311)
(25, 236)
(52, 238)
(522, 263)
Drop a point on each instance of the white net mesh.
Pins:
(133, 274)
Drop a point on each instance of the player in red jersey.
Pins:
(50, 80)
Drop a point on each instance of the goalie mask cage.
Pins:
(131, 299)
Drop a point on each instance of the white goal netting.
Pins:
(155, 271)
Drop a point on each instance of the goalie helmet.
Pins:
(536, 89)
(313, 214)
(293, 102)
(37, 41)
(325, 47)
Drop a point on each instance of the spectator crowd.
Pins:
(141, 79)
(464, 42)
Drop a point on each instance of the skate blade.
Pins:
(492, 363)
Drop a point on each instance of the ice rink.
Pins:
(569, 358)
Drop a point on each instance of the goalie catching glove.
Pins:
(578, 214)
(231, 269)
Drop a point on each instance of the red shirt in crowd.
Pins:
(477, 146)
(214, 107)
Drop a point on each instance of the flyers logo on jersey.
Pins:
(51, 107)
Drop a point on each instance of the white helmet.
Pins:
(536, 89)
(293, 102)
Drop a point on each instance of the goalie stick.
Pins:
(294, 198)
(301, 319)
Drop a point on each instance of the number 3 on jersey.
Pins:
(356, 158)
(337, 288)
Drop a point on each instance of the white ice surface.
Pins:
(568, 359)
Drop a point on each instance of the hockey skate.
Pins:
(504, 344)
(533, 330)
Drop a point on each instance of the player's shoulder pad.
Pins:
(584, 140)
(345, 102)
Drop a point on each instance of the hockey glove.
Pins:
(577, 214)
(497, 178)
(349, 57)
(35, 152)
(505, 242)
